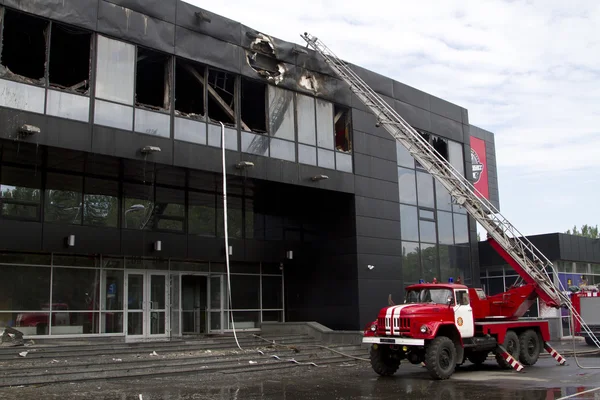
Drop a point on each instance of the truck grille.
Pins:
(401, 325)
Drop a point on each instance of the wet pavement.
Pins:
(345, 381)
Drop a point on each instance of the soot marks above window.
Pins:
(221, 97)
(341, 119)
(262, 58)
(254, 104)
(24, 47)
(189, 89)
(69, 58)
(153, 79)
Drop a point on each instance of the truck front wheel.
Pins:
(383, 360)
(511, 344)
(531, 347)
(440, 358)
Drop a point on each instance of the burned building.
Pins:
(111, 178)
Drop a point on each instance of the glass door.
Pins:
(157, 307)
(146, 307)
(216, 322)
(135, 304)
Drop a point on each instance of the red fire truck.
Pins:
(587, 304)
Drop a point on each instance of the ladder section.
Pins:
(533, 265)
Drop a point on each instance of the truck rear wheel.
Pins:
(383, 360)
(440, 358)
(478, 357)
(512, 345)
(530, 344)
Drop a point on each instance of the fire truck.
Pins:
(444, 324)
(587, 303)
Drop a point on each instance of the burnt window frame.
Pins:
(194, 64)
(168, 82)
(264, 85)
(235, 98)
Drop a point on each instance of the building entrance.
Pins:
(146, 299)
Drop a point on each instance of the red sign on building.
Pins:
(479, 162)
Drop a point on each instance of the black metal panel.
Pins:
(446, 109)
(205, 248)
(415, 116)
(86, 239)
(377, 228)
(218, 27)
(374, 292)
(446, 127)
(208, 50)
(378, 246)
(131, 25)
(67, 134)
(114, 142)
(384, 267)
(161, 9)
(313, 62)
(14, 119)
(379, 83)
(376, 146)
(20, 235)
(412, 96)
(83, 13)
(376, 188)
(368, 207)
(465, 116)
(282, 171)
(141, 243)
(259, 171)
(365, 122)
(375, 167)
(206, 158)
(338, 181)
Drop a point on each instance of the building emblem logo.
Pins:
(477, 166)
(459, 321)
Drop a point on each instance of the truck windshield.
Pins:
(436, 296)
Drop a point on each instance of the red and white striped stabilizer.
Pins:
(560, 359)
(517, 366)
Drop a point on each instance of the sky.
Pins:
(528, 71)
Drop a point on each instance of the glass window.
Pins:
(343, 162)
(325, 134)
(214, 137)
(169, 210)
(463, 263)
(20, 193)
(97, 164)
(283, 150)
(427, 231)
(245, 292)
(409, 223)
(101, 202)
(281, 113)
(202, 214)
(76, 289)
(235, 222)
(461, 229)
(21, 97)
(63, 198)
(442, 197)
(403, 157)
(113, 115)
(411, 266)
(190, 130)
(326, 158)
(152, 123)
(429, 257)
(307, 154)
(447, 263)
(115, 70)
(138, 204)
(445, 227)
(67, 105)
(306, 119)
(24, 287)
(426, 214)
(272, 296)
(455, 151)
(425, 190)
(407, 186)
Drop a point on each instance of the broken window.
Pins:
(189, 89)
(69, 65)
(441, 145)
(153, 79)
(253, 107)
(262, 58)
(341, 119)
(455, 152)
(221, 97)
(24, 46)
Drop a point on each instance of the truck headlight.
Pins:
(373, 328)
(424, 329)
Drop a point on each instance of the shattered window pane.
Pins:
(325, 124)
(190, 131)
(306, 119)
(221, 97)
(189, 89)
(66, 105)
(341, 119)
(255, 144)
(24, 46)
(69, 66)
(455, 151)
(21, 96)
(281, 113)
(152, 123)
(326, 159)
(283, 150)
(254, 104)
(115, 70)
(113, 115)
(440, 145)
(307, 154)
(153, 79)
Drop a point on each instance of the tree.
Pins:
(585, 231)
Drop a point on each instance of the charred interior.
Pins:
(152, 86)
(69, 58)
(254, 105)
(441, 145)
(24, 45)
(189, 88)
(343, 141)
(221, 97)
(262, 58)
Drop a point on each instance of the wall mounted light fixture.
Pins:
(70, 240)
(158, 245)
(202, 16)
(28, 130)
(244, 164)
(230, 250)
(150, 149)
(319, 177)
(289, 255)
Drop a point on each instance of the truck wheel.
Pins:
(530, 344)
(440, 358)
(589, 341)
(383, 360)
(478, 357)
(511, 344)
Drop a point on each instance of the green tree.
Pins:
(585, 231)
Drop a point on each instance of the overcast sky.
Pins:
(529, 71)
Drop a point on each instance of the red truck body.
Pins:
(587, 304)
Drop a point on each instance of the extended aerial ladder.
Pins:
(532, 266)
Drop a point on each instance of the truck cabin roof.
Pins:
(451, 286)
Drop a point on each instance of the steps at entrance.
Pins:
(46, 364)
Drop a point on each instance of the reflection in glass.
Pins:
(115, 70)
(135, 291)
(272, 296)
(343, 162)
(67, 105)
(201, 213)
(113, 290)
(307, 154)
(429, 260)
(426, 214)
(152, 123)
(325, 133)
(214, 137)
(455, 151)
(442, 197)
(245, 292)
(157, 292)
(283, 150)
(411, 266)
(135, 323)
(157, 322)
(281, 113)
(24, 287)
(461, 229)
(326, 159)
(306, 119)
(112, 322)
(113, 115)
(21, 97)
(448, 266)
(255, 144)
(138, 204)
(190, 130)
(407, 186)
(169, 210)
(20, 193)
(74, 323)
(409, 223)
(427, 231)
(76, 289)
(272, 316)
(425, 190)
(445, 227)
(63, 198)
(101, 202)
(234, 217)
(243, 319)
(403, 157)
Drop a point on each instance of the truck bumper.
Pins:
(398, 341)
